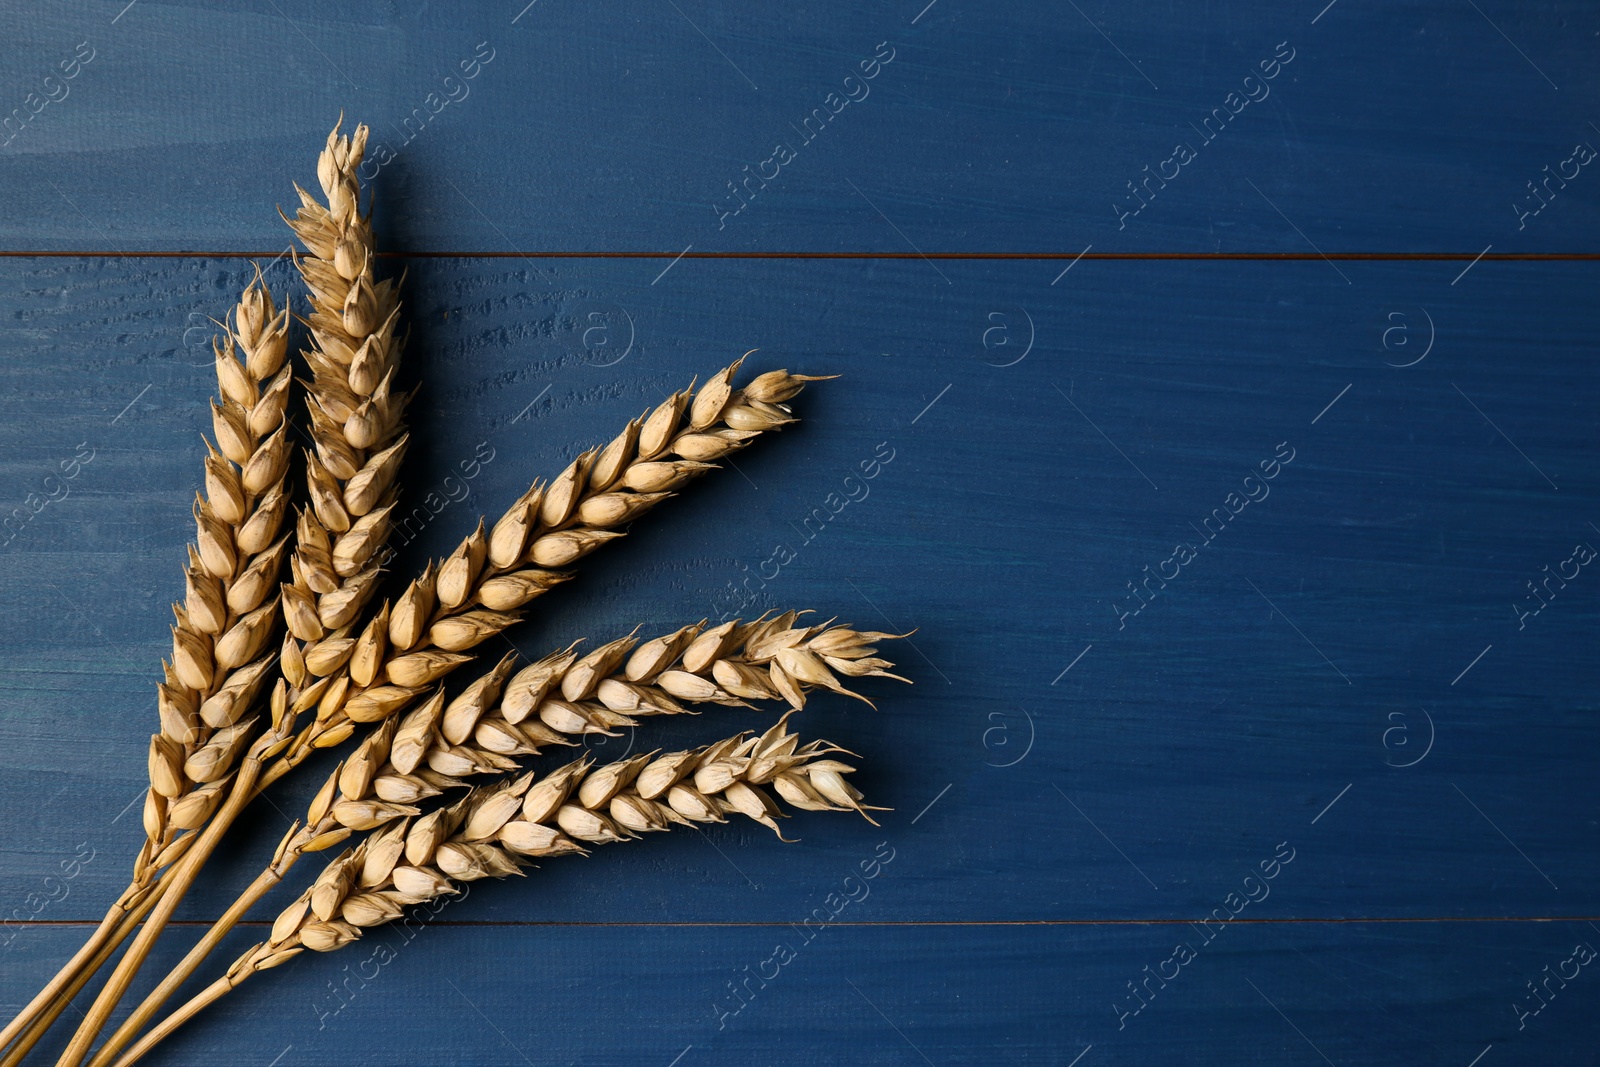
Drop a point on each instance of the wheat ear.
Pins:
(356, 417)
(501, 716)
(499, 829)
(220, 657)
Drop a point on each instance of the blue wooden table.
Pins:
(1232, 372)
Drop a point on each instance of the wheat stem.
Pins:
(141, 1016)
(41, 1025)
(136, 901)
(210, 995)
(182, 878)
(70, 970)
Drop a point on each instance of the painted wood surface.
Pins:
(1007, 126)
(1145, 669)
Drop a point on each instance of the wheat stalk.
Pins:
(73, 976)
(500, 716)
(498, 829)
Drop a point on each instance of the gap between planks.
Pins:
(1199, 256)
(1390, 920)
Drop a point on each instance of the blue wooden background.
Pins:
(1383, 267)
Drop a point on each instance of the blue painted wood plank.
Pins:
(996, 127)
(1281, 993)
(1343, 666)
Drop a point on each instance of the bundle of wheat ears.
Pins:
(244, 700)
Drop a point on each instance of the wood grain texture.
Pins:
(1348, 668)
